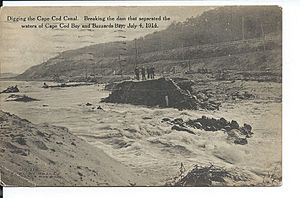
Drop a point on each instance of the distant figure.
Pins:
(152, 72)
(148, 72)
(137, 73)
(143, 72)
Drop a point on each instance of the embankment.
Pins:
(45, 155)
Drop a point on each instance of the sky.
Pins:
(23, 48)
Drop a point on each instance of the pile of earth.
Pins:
(20, 98)
(162, 92)
(209, 176)
(47, 155)
(11, 89)
(236, 134)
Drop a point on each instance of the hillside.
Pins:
(212, 40)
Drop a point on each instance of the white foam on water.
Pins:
(136, 136)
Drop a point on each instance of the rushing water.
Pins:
(136, 136)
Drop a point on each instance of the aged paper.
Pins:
(141, 96)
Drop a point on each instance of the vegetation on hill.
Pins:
(224, 33)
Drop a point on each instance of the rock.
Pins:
(20, 98)
(88, 104)
(223, 122)
(207, 128)
(180, 128)
(198, 125)
(247, 128)
(178, 121)
(99, 107)
(11, 89)
(203, 121)
(241, 141)
(208, 124)
(237, 137)
(213, 128)
(227, 127)
(166, 119)
(236, 134)
(234, 124)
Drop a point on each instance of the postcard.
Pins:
(133, 96)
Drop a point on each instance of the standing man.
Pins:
(137, 73)
(143, 72)
(148, 72)
(152, 72)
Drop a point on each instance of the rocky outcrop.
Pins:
(163, 92)
(236, 133)
(11, 89)
(20, 98)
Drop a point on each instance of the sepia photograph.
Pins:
(173, 96)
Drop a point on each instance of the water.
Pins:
(136, 136)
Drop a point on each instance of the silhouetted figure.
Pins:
(148, 72)
(137, 73)
(152, 73)
(174, 70)
(143, 72)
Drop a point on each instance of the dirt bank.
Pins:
(162, 92)
(45, 155)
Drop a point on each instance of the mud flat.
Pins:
(45, 155)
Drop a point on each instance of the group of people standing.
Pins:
(143, 71)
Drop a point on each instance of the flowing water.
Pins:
(135, 135)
